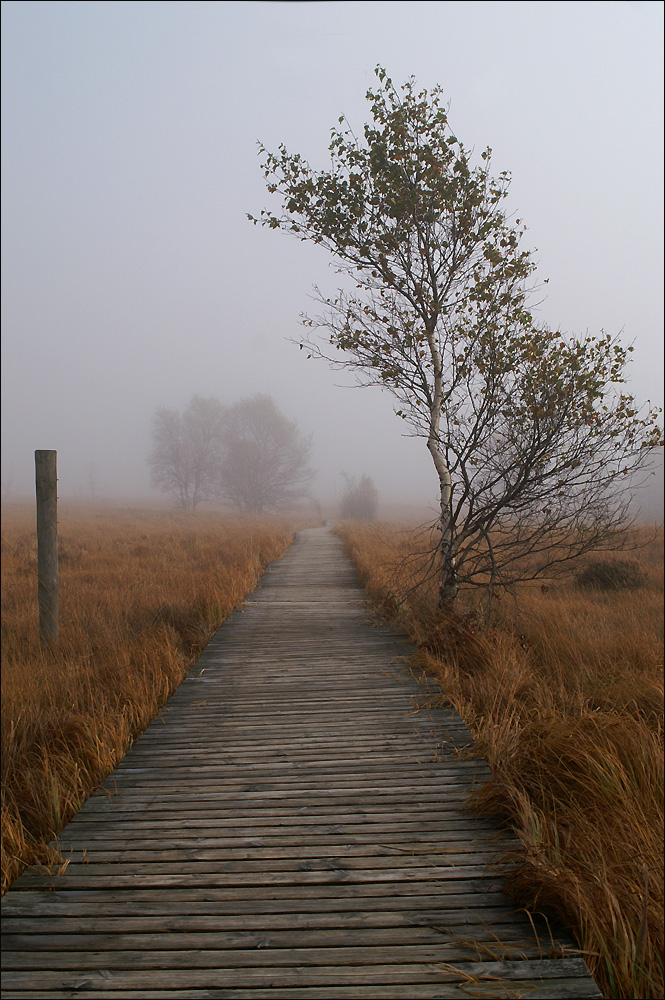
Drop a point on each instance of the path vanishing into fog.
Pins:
(290, 826)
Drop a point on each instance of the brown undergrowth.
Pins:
(141, 593)
(563, 692)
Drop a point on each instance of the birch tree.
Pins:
(534, 445)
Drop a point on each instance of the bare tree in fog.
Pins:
(248, 455)
(360, 498)
(265, 462)
(187, 451)
(534, 447)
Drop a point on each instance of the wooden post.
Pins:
(46, 480)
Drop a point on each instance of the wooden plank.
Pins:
(255, 958)
(269, 756)
(474, 892)
(293, 821)
(292, 939)
(284, 805)
(379, 867)
(389, 767)
(254, 827)
(217, 877)
(106, 850)
(495, 974)
(295, 748)
(465, 922)
(256, 856)
(197, 902)
(283, 824)
(334, 786)
(560, 989)
(401, 776)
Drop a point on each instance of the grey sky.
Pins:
(132, 279)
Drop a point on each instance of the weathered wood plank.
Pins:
(464, 922)
(197, 902)
(495, 974)
(217, 877)
(315, 940)
(193, 957)
(307, 828)
(284, 805)
(393, 768)
(401, 779)
(560, 989)
(474, 892)
(271, 856)
(246, 871)
(249, 847)
(321, 795)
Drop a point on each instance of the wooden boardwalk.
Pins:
(291, 826)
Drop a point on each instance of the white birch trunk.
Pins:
(448, 587)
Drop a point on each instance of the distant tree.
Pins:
(360, 498)
(533, 446)
(187, 451)
(265, 462)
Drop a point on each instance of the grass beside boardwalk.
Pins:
(141, 593)
(564, 694)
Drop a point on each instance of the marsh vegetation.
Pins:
(141, 594)
(563, 691)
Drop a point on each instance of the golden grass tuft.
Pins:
(141, 593)
(563, 692)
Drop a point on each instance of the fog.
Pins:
(132, 279)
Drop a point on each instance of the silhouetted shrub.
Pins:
(607, 574)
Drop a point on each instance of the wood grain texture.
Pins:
(292, 825)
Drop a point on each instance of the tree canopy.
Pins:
(187, 450)
(248, 455)
(265, 465)
(534, 444)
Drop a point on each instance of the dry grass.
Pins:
(564, 694)
(141, 593)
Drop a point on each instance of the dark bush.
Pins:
(607, 574)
